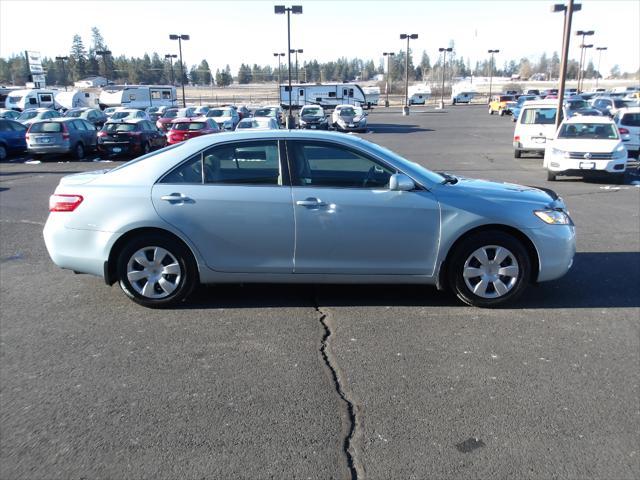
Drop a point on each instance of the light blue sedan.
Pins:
(302, 206)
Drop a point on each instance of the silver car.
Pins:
(307, 207)
(61, 135)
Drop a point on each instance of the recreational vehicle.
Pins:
(372, 95)
(327, 95)
(30, 98)
(138, 96)
(419, 94)
(76, 99)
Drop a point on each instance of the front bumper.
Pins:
(556, 246)
(585, 167)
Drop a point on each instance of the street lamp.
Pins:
(412, 36)
(103, 54)
(279, 75)
(491, 71)
(444, 68)
(600, 50)
(64, 72)
(299, 50)
(180, 38)
(386, 88)
(171, 57)
(584, 54)
(568, 16)
(281, 10)
(583, 33)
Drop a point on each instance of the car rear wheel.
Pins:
(156, 271)
(78, 151)
(517, 153)
(3, 153)
(489, 269)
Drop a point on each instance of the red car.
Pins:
(164, 122)
(185, 128)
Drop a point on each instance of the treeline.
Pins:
(155, 69)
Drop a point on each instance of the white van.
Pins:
(138, 96)
(30, 98)
(535, 126)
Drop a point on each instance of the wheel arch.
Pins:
(514, 232)
(110, 266)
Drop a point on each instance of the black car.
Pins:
(91, 115)
(313, 117)
(135, 137)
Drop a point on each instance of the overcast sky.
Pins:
(234, 32)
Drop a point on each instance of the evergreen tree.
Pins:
(79, 56)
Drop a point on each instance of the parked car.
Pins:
(585, 146)
(535, 125)
(349, 118)
(515, 110)
(187, 112)
(9, 114)
(628, 122)
(109, 111)
(31, 115)
(226, 117)
(126, 114)
(257, 123)
(185, 128)
(501, 104)
(272, 111)
(313, 117)
(532, 91)
(608, 105)
(155, 112)
(330, 208)
(243, 112)
(549, 91)
(578, 106)
(201, 111)
(12, 138)
(61, 135)
(164, 122)
(130, 138)
(91, 115)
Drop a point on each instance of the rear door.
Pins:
(233, 201)
(536, 126)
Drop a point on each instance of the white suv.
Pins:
(628, 122)
(585, 146)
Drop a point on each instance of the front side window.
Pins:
(319, 164)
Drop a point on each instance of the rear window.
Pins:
(46, 127)
(249, 124)
(630, 120)
(119, 127)
(73, 113)
(188, 126)
(541, 116)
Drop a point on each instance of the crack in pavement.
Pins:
(355, 468)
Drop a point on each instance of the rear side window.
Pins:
(255, 163)
(539, 116)
(630, 120)
(46, 127)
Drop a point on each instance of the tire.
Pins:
(157, 285)
(517, 153)
(551, 176)
(503, 282)
(146, 148)
(78, 151)
(501, 113)
(490, 111)
(617, 178)
(3, 153)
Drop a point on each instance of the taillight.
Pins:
(623, 131)
(102, 134)
(516, 138)
(64, 203)
(65, 134)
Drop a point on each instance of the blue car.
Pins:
(515, 110)
(12, 138)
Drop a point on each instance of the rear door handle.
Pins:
(311, 202)
(176, 197)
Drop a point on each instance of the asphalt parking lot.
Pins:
(291, 381)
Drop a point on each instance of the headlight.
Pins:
(553, 217)
(620, 152)
(302, 122)
(559, 153)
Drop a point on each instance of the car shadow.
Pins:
(596, 280)
(396, 128)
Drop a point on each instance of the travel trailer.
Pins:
(138, 96)
(76, 99)
(419, 94)
(30, 98)
(327, 95)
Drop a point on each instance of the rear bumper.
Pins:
(42, 149)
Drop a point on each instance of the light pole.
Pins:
(584, 54)
(583, 33)
(64, 72)
(171, 57)
(279, 75)
(180, 38)
(491, 72)
(103, 54)
(444, 68)
(281, 10)
(297, 51)
(386, 87)
(412, 36)
(566, 38)
(600, 50)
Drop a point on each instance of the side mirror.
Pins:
(400, 182)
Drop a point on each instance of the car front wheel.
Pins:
(489, 269)
(156, 271)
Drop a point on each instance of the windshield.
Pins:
(119, 127)
(188, 126)
(265, 112)
(119, 115)
(312, 112)
(27, 116)
(73, 113)
(347, 112)
(588, 131)
(576, 104)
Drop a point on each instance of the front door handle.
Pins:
(311, 202)
(176, 197)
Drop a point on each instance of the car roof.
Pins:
(622, 111)
(589, 119)
(129, 120)
(189, 119)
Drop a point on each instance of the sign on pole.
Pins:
(35, 67)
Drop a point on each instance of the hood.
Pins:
(496, 191)
(585, 145)
(83, 177)
(347, 118)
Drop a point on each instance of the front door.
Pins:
(232, 203)
(349, 222)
